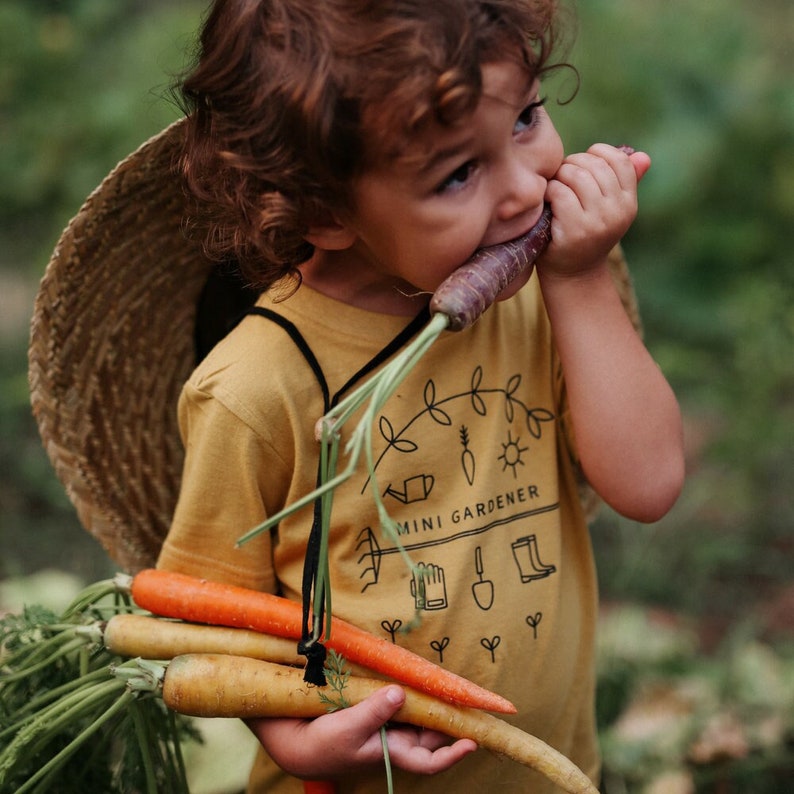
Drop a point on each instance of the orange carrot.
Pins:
(196, 600)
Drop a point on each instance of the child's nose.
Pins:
(522, 190)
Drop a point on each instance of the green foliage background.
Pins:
(705, 88)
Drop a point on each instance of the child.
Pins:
(351, 155)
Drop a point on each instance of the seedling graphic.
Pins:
(491, 645)
(391, 627)
(533, 621)
(439, 646)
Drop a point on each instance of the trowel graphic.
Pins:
(414, 489)
(482, 589)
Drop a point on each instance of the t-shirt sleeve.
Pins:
(222, 496)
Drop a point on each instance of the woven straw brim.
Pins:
(112, 342)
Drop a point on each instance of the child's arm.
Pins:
(626, 418)
(346, 741)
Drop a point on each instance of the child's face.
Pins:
(475, 184)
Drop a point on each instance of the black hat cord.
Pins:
(314, 601)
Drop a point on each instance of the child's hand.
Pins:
(339, 743)
(593, 198)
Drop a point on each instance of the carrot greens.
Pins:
(337, 674)
(65, 716)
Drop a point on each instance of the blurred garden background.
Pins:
(697, 659)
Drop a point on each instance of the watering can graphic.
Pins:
(414, 489)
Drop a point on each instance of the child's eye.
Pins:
(458, 178)
(528, 117)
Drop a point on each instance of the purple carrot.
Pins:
(472, 288)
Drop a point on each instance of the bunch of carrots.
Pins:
(204, 649)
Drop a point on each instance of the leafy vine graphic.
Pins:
(398, 439)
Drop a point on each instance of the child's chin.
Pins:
(515, 285)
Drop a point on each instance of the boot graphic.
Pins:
(527, 557)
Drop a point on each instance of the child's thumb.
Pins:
(641, 162)
(378, 708)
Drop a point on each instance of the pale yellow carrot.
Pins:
(219, 685)
(156, 638)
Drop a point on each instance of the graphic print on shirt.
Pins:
(527, 557)
(428, 587)
(483, 589)
(533, 621)
(414, 489)
(467, 460)
(440, 423)
(491, 644)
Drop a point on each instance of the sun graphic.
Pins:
(511, 453)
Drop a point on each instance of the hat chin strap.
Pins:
(314, 601)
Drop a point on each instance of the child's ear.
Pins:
(331, 235)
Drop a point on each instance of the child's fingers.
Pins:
(360, 723)
(335, 743)
(593, 197)
(383, 704)
(425, 752)
(588, 176)
(412, 749)
(641, 162)
(619, 158)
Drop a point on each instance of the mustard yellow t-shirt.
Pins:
(473, 458)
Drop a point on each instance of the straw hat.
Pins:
(113, 338)
(127, 306)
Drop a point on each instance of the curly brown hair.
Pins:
(290, 100)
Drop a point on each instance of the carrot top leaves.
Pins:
(337, 675)
(58, 696)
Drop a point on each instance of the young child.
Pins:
(350, 155)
